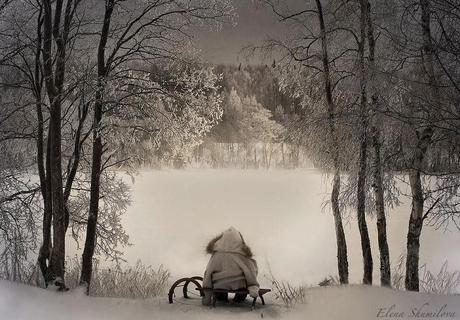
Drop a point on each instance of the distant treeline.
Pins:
(263, 127)
(244, 156)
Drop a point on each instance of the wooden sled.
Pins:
(197, 281)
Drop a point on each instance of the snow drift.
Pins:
(21, 302)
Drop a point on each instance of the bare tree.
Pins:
(424, 141)
(134, 40)
(313, 54)
(362, 173)
(341, 242)
(423, 114)
(22, 57)
(377, 170)
(102, 70)
(57, 21)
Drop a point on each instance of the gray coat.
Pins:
(231, 265)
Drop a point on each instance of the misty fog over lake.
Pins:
(281, 214)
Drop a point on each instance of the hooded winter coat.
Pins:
(231, 265)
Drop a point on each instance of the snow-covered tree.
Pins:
(133, 34)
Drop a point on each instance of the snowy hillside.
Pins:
(352, 302)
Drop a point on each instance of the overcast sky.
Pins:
(255, 23)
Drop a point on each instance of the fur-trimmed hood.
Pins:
(230, 240)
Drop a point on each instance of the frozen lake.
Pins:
(175, 213)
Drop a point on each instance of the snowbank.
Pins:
(333, 303)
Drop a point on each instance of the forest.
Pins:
(366, 92)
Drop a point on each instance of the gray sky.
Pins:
(255, 23)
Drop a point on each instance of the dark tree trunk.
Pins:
(57, 197)
(416, 217)
(48, 270)
(96, 168)
(377, 185)
(90, 241)
(54, 66)
(361, 210)
(45, 182)
(362, 173)
(54, 80)
(342, 258)
(415, 229)
(385, 270)
(424, 141)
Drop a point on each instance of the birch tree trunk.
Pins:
(424, 141)
(416, 216)
(377, 176)
(362, 172)
(377, 185)
(342, 259)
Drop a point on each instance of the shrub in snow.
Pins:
(138, 281)
(287, 293)
(444, 282)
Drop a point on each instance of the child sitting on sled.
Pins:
(231, 267)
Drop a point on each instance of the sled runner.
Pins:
(184, 283)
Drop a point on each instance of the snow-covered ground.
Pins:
(20, 302)
(280, 213)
